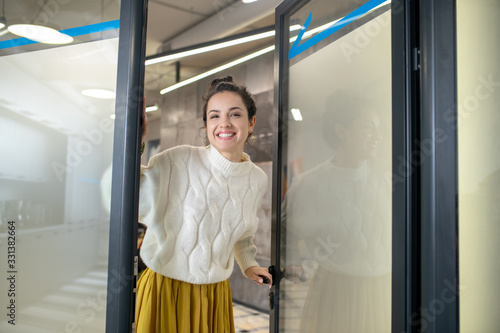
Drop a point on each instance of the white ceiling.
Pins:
(175, 24)
(166, 19)
(172, 24)
(179, 24)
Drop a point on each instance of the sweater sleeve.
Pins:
(244, 249)
(244, 252)
(153, 189)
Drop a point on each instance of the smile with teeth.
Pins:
(226, 135)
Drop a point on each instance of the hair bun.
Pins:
(216, 81)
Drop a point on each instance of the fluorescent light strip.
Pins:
(216, 70)
(217, 46)
(253, 55)
(151, 108)
(239, 61)
(229, 65)
(226, 66)
(210, 48)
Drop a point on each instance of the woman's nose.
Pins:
(225, 123)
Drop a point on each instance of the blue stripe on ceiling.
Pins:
(73, 32)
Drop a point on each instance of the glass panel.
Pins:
(336, 215)
(478, 43)
(56, 148)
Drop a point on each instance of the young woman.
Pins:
(200, 206)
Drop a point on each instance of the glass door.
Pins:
(333, 168)
(57, 133)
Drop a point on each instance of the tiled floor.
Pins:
(249, 320)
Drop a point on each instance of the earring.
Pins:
(252, 138)
(207, 145)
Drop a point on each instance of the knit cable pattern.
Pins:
(199, 207)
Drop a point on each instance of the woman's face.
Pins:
(228, 125)
(361, 139)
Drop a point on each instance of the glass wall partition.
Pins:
(56, 132)
(334, 163)
(478, 123)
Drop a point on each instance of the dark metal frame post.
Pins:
(439, 243)
(280, 61)
(126, 164)
(405, 177)
(280, 132)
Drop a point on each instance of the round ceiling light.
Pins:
(40, 34)
(99, 93)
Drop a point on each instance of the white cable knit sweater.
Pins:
(344, 217)
(201, 212)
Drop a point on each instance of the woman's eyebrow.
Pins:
(230, 109)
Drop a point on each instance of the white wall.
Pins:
(478, 40)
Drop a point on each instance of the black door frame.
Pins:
(279, 133)
(425, 221)
(122, 272)
(439, 309)
(405, 180)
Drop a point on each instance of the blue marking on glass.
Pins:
(73, 32)
(296, 49)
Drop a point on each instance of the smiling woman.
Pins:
(229, 117)
(200, 207)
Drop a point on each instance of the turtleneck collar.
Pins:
(350, 173)
(226, 166)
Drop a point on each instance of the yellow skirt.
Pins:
(165, 305)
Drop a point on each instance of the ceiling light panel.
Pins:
(40, 34)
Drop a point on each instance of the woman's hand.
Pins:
(253, 274)
(145, 121)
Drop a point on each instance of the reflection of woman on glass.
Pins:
(341, 211)
(200, 206)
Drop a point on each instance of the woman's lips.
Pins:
(226, 135)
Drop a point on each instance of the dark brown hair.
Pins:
(226, 84)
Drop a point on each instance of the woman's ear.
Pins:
(252, 123)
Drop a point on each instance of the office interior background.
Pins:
(63, 121)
